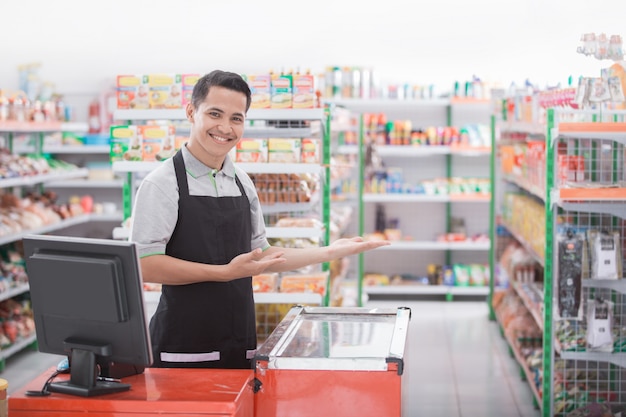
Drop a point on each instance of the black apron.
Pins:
(206, 324)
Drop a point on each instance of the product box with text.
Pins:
(124, 144)
(165, 91)
(260, 87)
(188, 82)
(132, 92)
(252, 150)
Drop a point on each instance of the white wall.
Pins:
(82, 45)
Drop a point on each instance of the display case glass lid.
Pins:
(336, 338)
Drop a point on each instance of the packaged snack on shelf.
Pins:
(303, 91)
(298, 222)
(132, 92)
(284, 150)
(282, 91)
(307, 283)
(569, 260)
(165, 91)
(600, 325)
(605, 254)
(260, 87)
(251, 150)
(156, 144)
(310, 151)
(265, 282)
(188, 81)
(124, 144)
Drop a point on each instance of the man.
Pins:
(199, 228)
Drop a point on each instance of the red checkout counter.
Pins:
(334, 361)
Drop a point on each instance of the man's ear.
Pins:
(189, 110)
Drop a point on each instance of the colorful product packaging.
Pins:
(165, 91)
(310, 151)
(132, 92)
(188, 82)
(252, 150)
(286, 150)
(282, 91)
(157, 142)
(260, 87)
(122, 138)
(303, 91)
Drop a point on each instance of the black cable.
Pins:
(44, 390)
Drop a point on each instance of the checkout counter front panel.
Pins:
(333, 361)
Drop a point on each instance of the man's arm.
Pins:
(164, 269)
(296, 258)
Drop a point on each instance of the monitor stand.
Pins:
(84, 379)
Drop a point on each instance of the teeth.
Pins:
(221, 139)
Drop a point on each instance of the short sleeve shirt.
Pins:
(155, 210)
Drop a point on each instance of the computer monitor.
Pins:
(87, 300)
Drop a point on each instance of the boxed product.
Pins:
(132, 92)
(188, 82)
(310, 151)
(284, 150)
(252, 150)
(260, 87)
(125, 145)
(282, 91)
(303, 91)
(265, 282)
(165, 91)
(157, 142)
(308, 283)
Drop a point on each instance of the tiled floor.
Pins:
(458, 365)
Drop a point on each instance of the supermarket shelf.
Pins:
(425, 198)
(418, 289)
(259, 297)
(530, 305)
(77, 149)
(44, 178)
(287, 207)
(529, 376)
(590, 130)
(86, 183)
(607, 194)
(408, 151)
(618, 285)
(537, 257)
(280, 168)
(616, 358)
(17, 346)
(280, 132)
(135, 166)
(294, 232)
(434, 245)
(15, 291)
(73, 221)
(527, 186)
(523, 127)
(33, 127)
(253, 114)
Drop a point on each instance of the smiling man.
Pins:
(199, 230)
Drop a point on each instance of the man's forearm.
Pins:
(164, 269)
(298, 258)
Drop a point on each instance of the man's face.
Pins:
(217, 125)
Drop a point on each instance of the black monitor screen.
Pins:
(87, 298)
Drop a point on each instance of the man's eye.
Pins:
(214, 114)
(238, 119)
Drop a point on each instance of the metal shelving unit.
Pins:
(423, 113)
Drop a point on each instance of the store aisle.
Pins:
(458, 365)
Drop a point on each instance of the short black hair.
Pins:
(218, 78)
